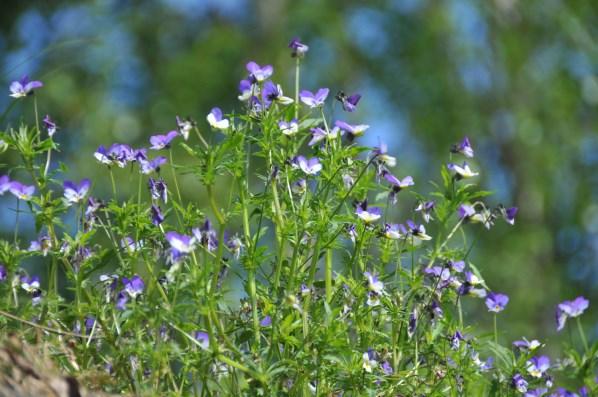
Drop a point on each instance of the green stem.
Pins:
(328, 275)
(582, 334)
(495, 330)
(16, 234)
(113, 183)
(297, 68)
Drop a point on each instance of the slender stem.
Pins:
(582, 334)
(328, 275)
(113, 183)
(36, 118)
(48, 160)
(16, 234)
(495, 330)
(297, 68)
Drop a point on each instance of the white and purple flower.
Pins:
(464, 147)
(217, 120)
(289, 128)
(461, 171)
(368, 214)
(354, 130)
(537, 366)
(50, 126)
(24, 87)
(349, 102)
(76, 192)
(314, 100)
(181, 243)
(310, 166)
(298, 49)
(159, 142)
(257, 73)
(566, 309)
(21, 191)
(496, 302)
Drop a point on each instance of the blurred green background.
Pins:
(518, 77)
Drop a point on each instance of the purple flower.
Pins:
(130, 245)
(368, 214)
(457, 266)
(537, 366)
(417, 231)
(157, 216)
(121, 300)
(289, 128)
(397, 184)
(561, 392)
(50, 125)
(519, 383)
(20, 191)
(216, 120)
(184, 126)
(568, 309)
(374, 284)
(456, 340)
(525, 344)
(461, 171)
(101, 154)
(412, 323)
(394, 231)
(508, 214)
(36, 297)
(464, 148)
(309, 166)
(89, 323)
(349, 102)
(3, 273)
(266, 321)
(247, 90)
(74, 193)
(203, 338)
(298, 48)
(134, 287)
(387, 368)
(381, 152)
(257, 73)
(536, 392)
(496, 302)
(314, 100)
(273, 93)
(162, 141)
(4, 184)
(180, 243)
(206, 235)
(158, 189)
(30, 284)
(147, 167)
(369, 361)
(318, 134)
(235, 245)
(22, 88)
(426, 208)
(466, 211)
(353, 130)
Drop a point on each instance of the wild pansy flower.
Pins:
(387, 368)
(30, 284)
(524, 344)
(180, 243)
(156, 214)
(571, 309)
(349, 102)
(464, 147)
(352, 232)
(457, 266)
(50, 126)
(36, 297)
(298, 48)
(206, 235)
(319, 134)
(3, 273)
(456, 339)
(130, 245)
(134, 286)
(417, 231)
(397, 184)
(519, 383)
(394, 231)
(348, 181)
(508, 213)
(289, 128)
(76, 192)
(381, 152)
(426, 208)
(310, 166)
(374, 284)
(314, 100)
(412, 325)
(496, 302)
(537, 366)
(159, 142)
(21, 191)
(369, 361)
(468, 213)
(216, 120)
(203, 338)
(368, 214)
(258, 73)
(43, 244)
(101, 154)
(121, 300)
(353, 130)
(247, 90)
(184, 126)
(536, 392)
(4, 184)
(23, 87)
(235, 245)
(158, 189)
(266, 321)
(299, 187)
(461, 171)
(147, 167)
(273, 93)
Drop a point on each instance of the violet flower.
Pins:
(206, 235)
(30, 284)
(273, 93)
(50, 126)
(235, 245)
(4, 184)
(525, 344)
(266, 321)
(3, 273)
(121, 300)
(381, 152)
(412, 323)
(20, 191)
(247, 90)
(394, 231)
(184, 126)
(496, 302)
(257, 73)
(310, 166)
(417, 231)
(203, 338)
(353, 130)
(158, 189)
(349, 102)
(461, 171)
(289, 128)
(157, 216)
(216, 119)
(464, 148)
(374, 284)
(298, 48)
(566, 309)
(74, 193)
(426, 208)
(368, 214)
(519, 383)
(314, 100)
(397, 184)
(319, 134)
(537, 366)
(181, 243)
(159, 142)
(456, 339)
(147, 167)
(369, 361)
(24, 87)
(508, 213)
(134, 287)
